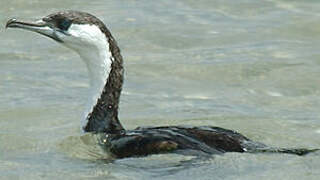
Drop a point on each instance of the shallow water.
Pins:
(252, 66)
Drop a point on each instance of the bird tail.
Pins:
(298, 151)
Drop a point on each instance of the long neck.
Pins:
(105, 68)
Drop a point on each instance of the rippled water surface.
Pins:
(248, 65)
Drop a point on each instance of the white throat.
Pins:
(93, 47)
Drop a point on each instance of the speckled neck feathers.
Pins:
(104, 115)
(91, 39)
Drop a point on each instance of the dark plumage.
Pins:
(103, 118)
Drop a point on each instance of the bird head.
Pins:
(79, 31)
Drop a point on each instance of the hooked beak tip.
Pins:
(10, 23)
(40, 27)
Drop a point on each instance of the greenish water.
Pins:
(252, 66)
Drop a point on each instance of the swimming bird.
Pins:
(91, 39)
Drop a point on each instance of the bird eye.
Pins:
(64, 24)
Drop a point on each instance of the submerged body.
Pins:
(151, 140)
(90, 38)
(200, 140)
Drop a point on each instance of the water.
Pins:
(252, 66)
